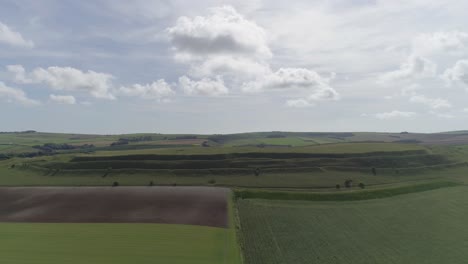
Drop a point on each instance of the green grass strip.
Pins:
(340, 196)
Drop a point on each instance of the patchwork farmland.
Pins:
(116, 225)
(272, 197)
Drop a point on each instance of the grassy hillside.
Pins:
(405, 163)
(182, 160)
(425, 227)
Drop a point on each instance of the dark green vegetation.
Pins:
(423, 227)
(22, 243)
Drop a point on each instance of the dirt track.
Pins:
(175, 205)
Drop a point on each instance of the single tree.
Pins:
(362, 186)
(151, 183)
(349, 183)
(115, 184)
(338, 186)
(257, 172)
(108, 171)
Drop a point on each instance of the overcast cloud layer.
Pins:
(233, 66)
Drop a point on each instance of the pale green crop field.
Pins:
(24, 243)
(426, 227)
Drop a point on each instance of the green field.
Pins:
(425, 227)
(24, 243)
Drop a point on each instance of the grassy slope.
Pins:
(344, 195)
(306, 179)
(314, 179)
(310, 178)
(426, 227)
(115, 243)
(326, 148)
(292, 141)
(32, 139)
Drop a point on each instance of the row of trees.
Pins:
(51, 147)
(137, 139)
(151, 183)
(349, 183)
(127, 140)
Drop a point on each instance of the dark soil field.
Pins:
(173, 205)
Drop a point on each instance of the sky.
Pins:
(206, 66)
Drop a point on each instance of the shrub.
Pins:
(115, 184)
(348, 183)
(362, 186)
(120, 142)
(338, 186)
(257, 172)
(212, 181)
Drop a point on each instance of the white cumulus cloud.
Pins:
(15, 95)
(98, 85)
(234, 66)
(395, 114)
(155, 90)
(458, 73)
(414, 68)
(434, 103)
(223, 31)
(222, 43)
(317, 86)
(62, 99)
(410, 89)
(205, 86)
(299, 103)
(18, 74)
(224, 46)
(442, 115)
(287, 78)
(13, 38)
(450, 41)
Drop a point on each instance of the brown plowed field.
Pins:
(175, 205)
